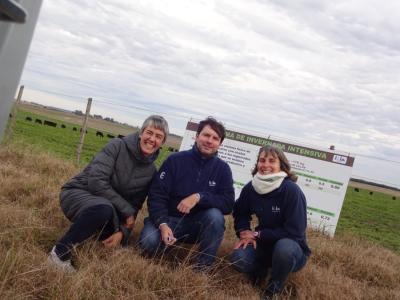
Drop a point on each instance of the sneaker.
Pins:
(55, 261)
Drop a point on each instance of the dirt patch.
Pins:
(374, 188)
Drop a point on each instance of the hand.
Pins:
(242, 243)
(113, 240)
(167, 235)
(247, 234)
(188, 203)
(130, 222)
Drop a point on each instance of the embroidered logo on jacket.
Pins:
(162, 175)
(276, 209)
(212, 183)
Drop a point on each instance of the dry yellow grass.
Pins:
(31, 221)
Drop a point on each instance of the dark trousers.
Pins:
(285, 257)
(93, 220)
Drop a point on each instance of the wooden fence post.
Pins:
(13, 115)
(84, 126)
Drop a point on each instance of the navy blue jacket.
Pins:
(185, 173)
(281, 213)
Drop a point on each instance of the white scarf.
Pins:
(264, 184)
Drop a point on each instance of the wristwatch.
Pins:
(256, 234)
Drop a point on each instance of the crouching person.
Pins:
(106, 196)
(189, 197)
(279, 240)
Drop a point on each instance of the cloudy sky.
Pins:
(320, 72)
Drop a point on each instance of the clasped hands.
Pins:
(246, 237)
(116, 238)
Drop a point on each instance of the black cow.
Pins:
(38, 121)
(394, 198)
(356, 189)
(74, 129)
(175, 150)
(50, 123)
(28, 119)
(110, 136)
(99, 133)
(63, 126)
(371, 193)
(170, 149)
(120, 136)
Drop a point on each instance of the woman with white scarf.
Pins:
(279, 240)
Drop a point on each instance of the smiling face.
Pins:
(208, 141)
(268, 164)
(151, 140)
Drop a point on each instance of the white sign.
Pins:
(323, 175)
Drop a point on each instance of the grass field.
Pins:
(97, 124)
(37, 161)
(61, 141)
(375, 217)
(31, 221)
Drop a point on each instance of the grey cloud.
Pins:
(317, 71)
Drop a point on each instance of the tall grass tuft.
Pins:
(346, 267)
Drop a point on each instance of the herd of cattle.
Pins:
(98, 133)
(371, 193)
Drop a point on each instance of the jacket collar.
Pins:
(197, 154)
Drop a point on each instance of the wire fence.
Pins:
(184, 117)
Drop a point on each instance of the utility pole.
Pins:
(83, 133)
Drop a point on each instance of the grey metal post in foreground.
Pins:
(84, 126)
(15, 39)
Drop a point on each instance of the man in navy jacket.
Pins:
(189, 197)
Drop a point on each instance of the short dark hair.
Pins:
(283, 161)
(218, 127)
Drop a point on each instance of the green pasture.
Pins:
(61, 141)
(375, 217)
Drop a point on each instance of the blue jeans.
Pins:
(284, 257)
(205, 228)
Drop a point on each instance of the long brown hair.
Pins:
(283, 161)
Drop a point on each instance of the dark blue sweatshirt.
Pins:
(185, 173)
(281, 213)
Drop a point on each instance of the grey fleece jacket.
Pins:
(118, 173)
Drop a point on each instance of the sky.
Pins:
(315, 71)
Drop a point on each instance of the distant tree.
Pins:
(78, 112)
